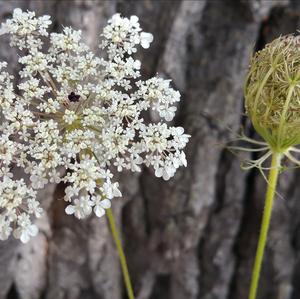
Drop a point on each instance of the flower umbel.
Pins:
(75, 118)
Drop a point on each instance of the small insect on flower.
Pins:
(77, 118)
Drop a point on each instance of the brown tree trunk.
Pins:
(193, 237)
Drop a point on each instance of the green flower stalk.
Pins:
(272, 100)
(121, 254)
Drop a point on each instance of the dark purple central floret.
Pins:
(73, 97)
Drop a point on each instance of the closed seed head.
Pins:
(272, 92)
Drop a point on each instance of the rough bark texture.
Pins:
(193, 237)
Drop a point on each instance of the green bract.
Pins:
(272, 93)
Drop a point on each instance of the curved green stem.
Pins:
(271, 190)
(120, 250)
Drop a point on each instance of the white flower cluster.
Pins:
(75, 118)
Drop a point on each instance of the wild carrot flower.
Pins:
(75, 118)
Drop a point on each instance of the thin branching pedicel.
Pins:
(74, 117)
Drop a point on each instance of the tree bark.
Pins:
(193, 237)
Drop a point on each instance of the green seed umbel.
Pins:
(272, 93)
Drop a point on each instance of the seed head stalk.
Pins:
(272, 103)
(121, 253)
(271, 190)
